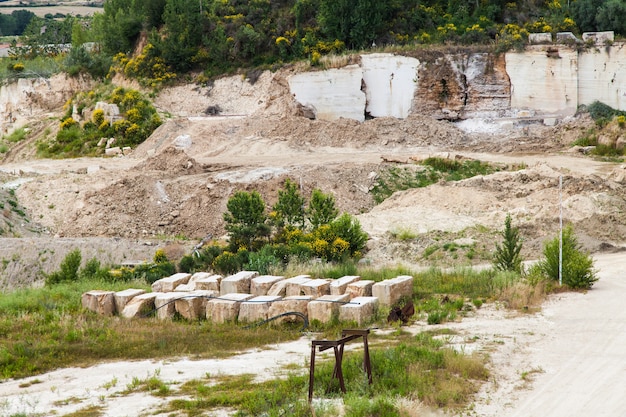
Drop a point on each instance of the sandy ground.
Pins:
(567, 360)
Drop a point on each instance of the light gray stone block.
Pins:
(390, 291)
(315, 288)
(297, 303)
(256, 308)
(237, 283)
(326, 307)
(360, 310)
(170, 283)
(99, 301)
(360, 289)
(339, 285)
(226, 307)
(294, 285)
(123, 297)
(192, 305)
(262, 284)
(207, 281)
(140, 305)
(280, 287)
(165, 305)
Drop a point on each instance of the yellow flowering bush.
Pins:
(68, 122)
(98, 116)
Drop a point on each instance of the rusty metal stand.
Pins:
(347, 335)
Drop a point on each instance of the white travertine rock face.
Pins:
(390, 83)
(332, 93)
(602, 76)
(544, 78)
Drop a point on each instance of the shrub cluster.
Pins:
(291, 231)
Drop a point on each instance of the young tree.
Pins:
(290, 206)
(246, 220)
(577, 267)
(507, 256)
(322, 209)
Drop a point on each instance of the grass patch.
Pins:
(430, 171)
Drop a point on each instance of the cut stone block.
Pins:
(297, 303)
(168, 284)
(139, 306)
(360, 289)
(280, 287)
(360, 310)
(225, 308)
(326, 307)
(294, 285)
(315, 288)
(123, 297)
(184, 288)
(237, 283)
(165, 305)
(99, 301)
(256, 308)
(390, 291)
(207, 281)
(339, 286)
(262, 284)
(192, 305)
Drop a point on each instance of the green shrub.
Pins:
(507, 256)
(577, 266)
(227, 263)
(322, 209)
(246, 220)
(68, 269)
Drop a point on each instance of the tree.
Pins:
(577, 267)
(357, 23)
(584, 13)
(68, 270)
(507, 256)
(246, 220)
(610, 16)
(183, 33)
(289, 208)
(322, 209)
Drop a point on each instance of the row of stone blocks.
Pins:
(249, 297)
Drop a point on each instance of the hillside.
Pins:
(172, 190)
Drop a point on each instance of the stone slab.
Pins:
(170, 283)
(315, 288)
(256, 308)
(280, 287)
(390, 291)
(339, 285)
(226, 307)
(207, 281)
(263, 283)
(237, 283)
(297, 303)
(326, 307)
(361, 288)
(140, 306)
(99, 301)
(360, 310)
(165, 306)
(192, 305)
(123, 297)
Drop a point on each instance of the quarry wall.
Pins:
(547, 80)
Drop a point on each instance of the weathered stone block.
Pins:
(140, 305)
(294, 285)
(360, 289)
(539, 38)
(123, 297)
(326, 307)
(170, 283)
(164, 305)
(256, 308)
(237, 283)
(225, 308)
(360, 310)
(99, 301)
(262, 284)
(192, 305)
(390, 291)
(280, 287)
(296, 303)
(339, 286)
(315, 288)
(184, 288)
(207, 281)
